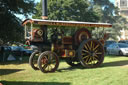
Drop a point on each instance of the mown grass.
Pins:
(114, 71)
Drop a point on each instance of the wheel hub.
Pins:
(92, 53)
(44, 61)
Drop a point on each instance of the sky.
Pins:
(112, 1)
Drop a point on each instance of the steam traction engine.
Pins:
(77, 49)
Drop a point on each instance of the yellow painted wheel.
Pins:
(91, 53)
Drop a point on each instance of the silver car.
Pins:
(117, 49)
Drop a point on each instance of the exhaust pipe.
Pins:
(44, 9)
(44, 17)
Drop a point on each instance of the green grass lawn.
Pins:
(114, 71)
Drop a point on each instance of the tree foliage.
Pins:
(77, 10)
(10, 25)
(85, 10)
(69, 10)
(111, 15)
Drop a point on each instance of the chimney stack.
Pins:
(44, 17)
(44, 9)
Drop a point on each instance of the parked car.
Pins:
(123, 41)
(107, 43)
(117, 49)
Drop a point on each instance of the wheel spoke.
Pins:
(91, 45)
(85, 56)
(48, 67)
(51, 66)
(95, 51)
(96, 47)
(90, 59)
(93, 60)
(86, 60)
(99, 53)
(45, 67)
(86, 51)
(86, 47)
(96, 58)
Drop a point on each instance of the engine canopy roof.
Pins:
(65, 23)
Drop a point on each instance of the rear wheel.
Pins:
(91, 53)
(48, 62)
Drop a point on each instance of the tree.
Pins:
(10, 25)
(86, 10)
(69, 10)
(110, 15)
(77, 10)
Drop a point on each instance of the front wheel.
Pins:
(91, 53)
(33, 60)
(48, 62)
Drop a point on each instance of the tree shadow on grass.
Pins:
(32, 83)
(9, 71)
(115, 63)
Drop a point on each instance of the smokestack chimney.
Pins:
(44, 16)
(44, 9)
